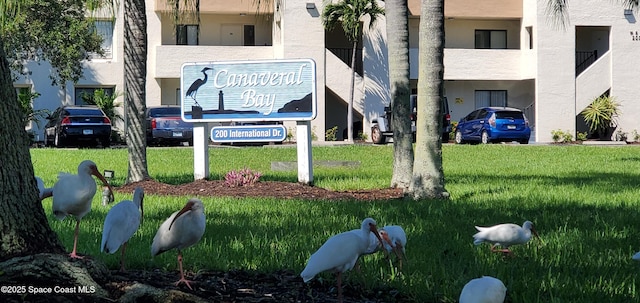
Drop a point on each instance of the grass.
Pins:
(582, 199)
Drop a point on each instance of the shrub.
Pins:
(560, 136)
(581, 136)
(330, 134)
(289, 134)
(621, 135)
(242, 177)
(601, 114)
(636, 135)
(452, 134)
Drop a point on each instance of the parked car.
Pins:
(381, 127)
(493, 124)
(165, 126)
(73, 125)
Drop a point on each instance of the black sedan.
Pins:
(74, 125)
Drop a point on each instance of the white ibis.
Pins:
(72, 195)
(504, 235)
(182, 229)
(340, 253)
(43, 191)
(395, 239)
(483, 290)
(121, 223)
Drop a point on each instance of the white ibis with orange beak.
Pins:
(182, 229)
(395, 239)
(340, 253)
(504, 235)
(72, 195)
(121, 223)
(483, 290)
(43, 191)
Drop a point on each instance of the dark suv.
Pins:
(381, 127)
(72, 125)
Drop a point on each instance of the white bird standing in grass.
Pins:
(72, 195)
(483, 290)
(395, 239)
(182, 229)
(504, 235)
(340, 253)
(121, 223)
(43, 191)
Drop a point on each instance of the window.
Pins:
(485, 98)
(104, 28)
(494, 39)
(186, 34)
(82, 94)
(249, 35)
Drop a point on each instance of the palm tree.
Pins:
(350, 13)
(428, 177)
(135, 75)
(396, 12)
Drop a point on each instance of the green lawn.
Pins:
(583, 200)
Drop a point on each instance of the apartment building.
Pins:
(497, 52)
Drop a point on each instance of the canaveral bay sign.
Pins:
(265, 90)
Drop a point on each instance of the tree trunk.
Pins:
(398, 47)
(135, 75)
(428, 177)
(75, 279)
(23, 223)
(351, 89)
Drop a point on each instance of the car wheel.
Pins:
(458, 138)
(46, 140)
(485, 137)
(445, 137)
(376, 135)
(57, 141)
(106, 142)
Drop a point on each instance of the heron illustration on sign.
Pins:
(193, 89)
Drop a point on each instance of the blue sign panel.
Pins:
(266, 90)
(248, 133)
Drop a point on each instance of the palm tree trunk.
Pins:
(135, 74)
(351, 90)
(398, 47)
(428, 176)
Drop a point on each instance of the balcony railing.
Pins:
(584, 59)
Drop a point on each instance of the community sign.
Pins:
(265, 90)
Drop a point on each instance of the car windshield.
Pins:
(509, 115)
(83, 112)
(165, 112)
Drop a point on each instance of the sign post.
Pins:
(250, 91)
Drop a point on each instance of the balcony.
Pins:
(169, 58)
(476, 64)
(222, 6)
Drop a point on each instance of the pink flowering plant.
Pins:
(243, 177)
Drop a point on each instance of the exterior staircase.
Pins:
(593, 81)
(338, 80)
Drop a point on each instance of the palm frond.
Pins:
(557, 13)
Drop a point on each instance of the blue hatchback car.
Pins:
(493, 124)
